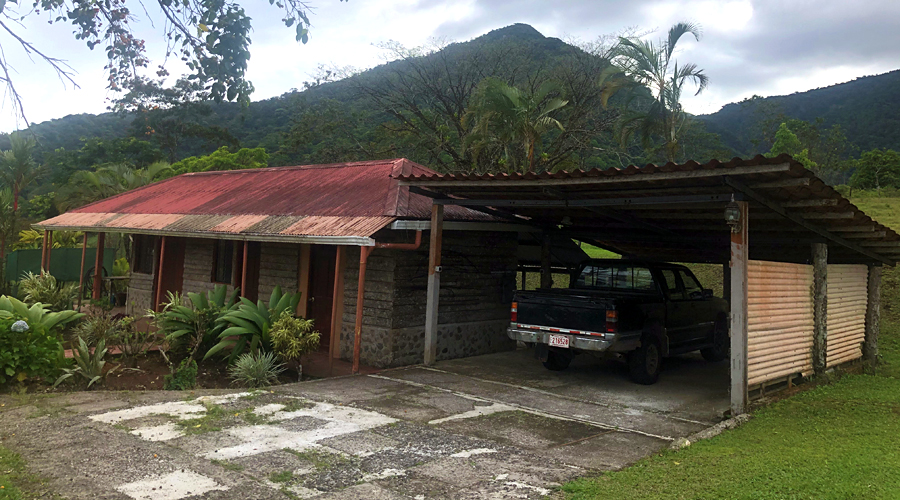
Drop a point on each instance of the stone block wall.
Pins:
(278, 266)
(477, 284)
(140, 291)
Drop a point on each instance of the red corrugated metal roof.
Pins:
(343, 200)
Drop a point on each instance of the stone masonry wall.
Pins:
(140, 289)
(278, 266)
(477, 284)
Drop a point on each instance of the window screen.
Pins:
(143, 253)
(223, 261)
(616, 278)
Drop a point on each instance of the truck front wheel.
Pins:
(645, 362)
(557, 361)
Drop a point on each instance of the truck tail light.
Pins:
(514, 312)
(612, 320)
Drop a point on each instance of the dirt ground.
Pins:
(497, 426)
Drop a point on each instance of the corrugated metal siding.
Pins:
(780, 320)
(847, 299)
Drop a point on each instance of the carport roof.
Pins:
(674, 212)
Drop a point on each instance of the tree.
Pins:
(507, 115)
(877, 169)
(210, 36)
(787, 142)
(220, 159)
(17, 166)
(86, 186)
(651, 64)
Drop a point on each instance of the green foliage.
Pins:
(249, 324)
(256, 369)
(98, 327)
(210, 422)
(11, 307)
(182, 378)
(195, 327)
(44, 289)
(293, 337)
(787, 142)
(877, 169)
(87, 186)
(121, 267)
(222, 159)
(33, 353)
(88, 364)
(29, 238)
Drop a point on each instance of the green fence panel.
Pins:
(65, 263)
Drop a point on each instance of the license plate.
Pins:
(559, 341)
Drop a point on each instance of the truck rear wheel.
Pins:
(645, 362)
(721, 343)
(557, 361)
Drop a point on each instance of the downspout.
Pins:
(361, 287)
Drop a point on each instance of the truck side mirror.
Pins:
(707, 293)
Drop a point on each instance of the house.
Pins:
(315, 229)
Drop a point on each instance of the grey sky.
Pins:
(749, 47)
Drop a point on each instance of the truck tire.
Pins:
(557, 361)
(645, 362)
(721, 343)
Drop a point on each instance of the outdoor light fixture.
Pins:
(733, 215)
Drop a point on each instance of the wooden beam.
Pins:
(852, 229)
(530, 201)
(614, 179)
(244, 258)
(820, 307)
(827, 215)
(43, 253)
(803, 223)
(738, 317)
(360, 303)
(337, 307)
(882, 244)
(160, 271)
(873, 316)
(303, 279)
(81, 273)
(800, 181)
(866, 235)
(827, 202)
(98, 268)
(434, 283)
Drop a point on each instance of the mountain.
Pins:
(867, 109)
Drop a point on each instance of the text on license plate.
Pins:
(559, 341)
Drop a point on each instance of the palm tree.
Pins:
(507, 115)
(87, 186)
(17, 166)
(651, 64)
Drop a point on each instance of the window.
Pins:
(636, 279)
(691, 286)
(223, 261)
(144, 247)
(673, 290)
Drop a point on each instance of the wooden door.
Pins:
(320, 300)
(172, 271)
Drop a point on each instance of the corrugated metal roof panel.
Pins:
(338, 226)
(237, 223)
(143, 221)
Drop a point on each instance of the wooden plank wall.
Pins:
(780, 320)
(847, 299)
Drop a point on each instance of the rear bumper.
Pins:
(578, 342)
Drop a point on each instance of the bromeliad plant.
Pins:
(248, 325)
(195, 326)
(88, 364)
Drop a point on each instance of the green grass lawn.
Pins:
(837, 441)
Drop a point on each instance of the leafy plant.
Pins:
(256, 369)
(248, 324)
(11, 307)
(43, 288)
(182, 378)
(293, 337)
(195, 326)
(96, 327)
(88, 364)
(27, 349)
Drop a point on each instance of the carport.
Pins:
(803, 263)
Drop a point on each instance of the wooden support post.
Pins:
(81, 274)
(246, 252)
(820, 307)
(98, 267)
(49, 251)
(546, 271)
(434, 283)
(337, 308)
(43, 252)
(873, 316)
(739, 259)
(726, 282)
(360, 302)
(160, 270)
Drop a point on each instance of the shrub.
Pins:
(44, 289)
(249, 324)
(28, 349)
(256, 369)
(13, 308)
(96, 327)
(293, 337)
(88, 364)
(130, 340)
(195, 327)
(182, 378)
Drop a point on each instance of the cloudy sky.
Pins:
(748, 47)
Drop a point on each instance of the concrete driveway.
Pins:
(497, 426)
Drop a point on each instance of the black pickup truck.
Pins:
(641, 310)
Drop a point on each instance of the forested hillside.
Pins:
(866, 110)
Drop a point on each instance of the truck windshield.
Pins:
(606, 277)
